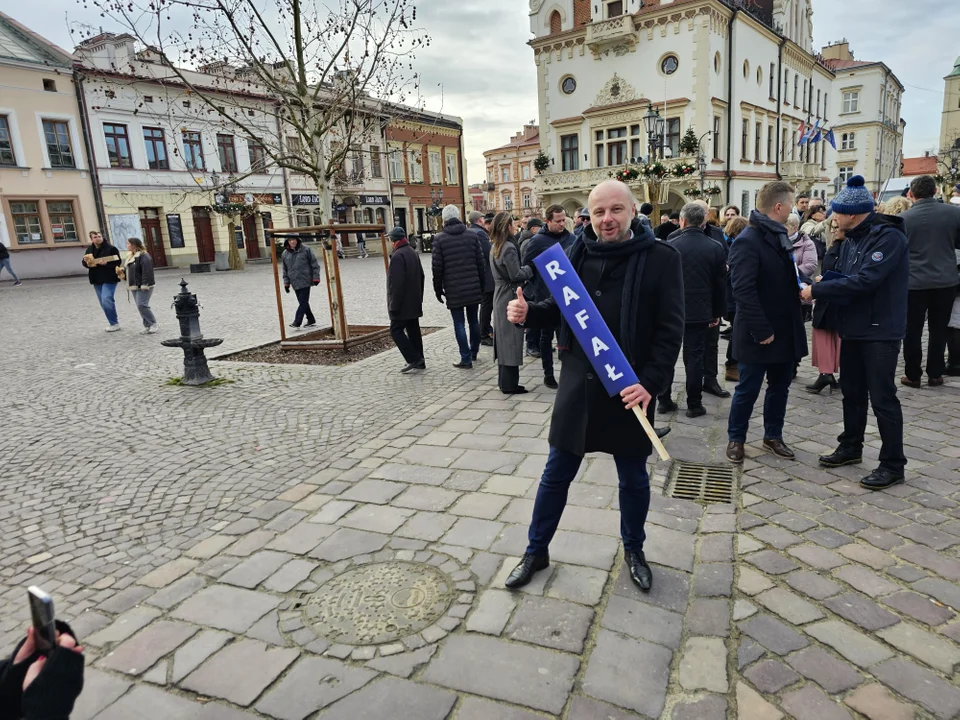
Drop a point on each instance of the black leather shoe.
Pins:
(779, 448)
(640, 572)
(735, 452)
(551, 382)
(882, 478)
(842, 456)
(667, 406)
(713, 388)
(696, 411)
(952, 370)
(487, 342)
(463, 365)
(523, 573)
(662, 432)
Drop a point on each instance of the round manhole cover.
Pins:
(379, 603)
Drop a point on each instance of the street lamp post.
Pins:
(436, 200)
(702, 160)
(653, 124)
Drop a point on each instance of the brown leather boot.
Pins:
(732, 373)
(735, 452)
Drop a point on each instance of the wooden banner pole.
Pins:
(651, 434)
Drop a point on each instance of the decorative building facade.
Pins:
(426, 167)
(511, 176)
(47, 199)
(744, 79)
(869, 131)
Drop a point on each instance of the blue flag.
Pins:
(830, 138)
(588, 326)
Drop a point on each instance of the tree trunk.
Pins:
(236, 262)
(331, 265)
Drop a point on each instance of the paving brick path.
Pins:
(182, 531)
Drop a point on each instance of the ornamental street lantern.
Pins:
(191, 340)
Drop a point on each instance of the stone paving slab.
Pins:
(809, 597)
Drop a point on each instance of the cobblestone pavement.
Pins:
(211, 546)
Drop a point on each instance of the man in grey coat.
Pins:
(301, 270)
(933, 233)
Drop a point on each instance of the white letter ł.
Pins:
(612, 372)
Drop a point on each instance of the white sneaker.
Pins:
(145, 331)
(113, 328)
(153, 328)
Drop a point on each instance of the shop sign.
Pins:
(374, 200)
(306, 199)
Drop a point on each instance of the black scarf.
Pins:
(634, 252)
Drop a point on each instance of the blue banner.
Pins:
(588, 326)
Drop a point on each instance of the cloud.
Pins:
(479, 67)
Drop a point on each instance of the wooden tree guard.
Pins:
(325, 338)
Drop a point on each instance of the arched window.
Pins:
(555, 22)
(381, 217)
(368, 215)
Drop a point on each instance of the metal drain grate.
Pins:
(702, 483)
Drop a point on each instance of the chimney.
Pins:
(837, 51)
(108, 51)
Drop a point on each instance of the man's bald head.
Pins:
(612, 209)
(704, 204)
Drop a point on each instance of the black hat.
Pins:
(489, 216)
(674, 216)
(584, 213)
(534, 222)
(397, 234)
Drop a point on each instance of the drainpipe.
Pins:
(91, 160)
(463, 188)
(783, 41)
(878, 166)
(733, 17)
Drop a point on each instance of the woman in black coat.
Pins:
(826, 340)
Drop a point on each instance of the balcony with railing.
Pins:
(618, 31)
(585, 180)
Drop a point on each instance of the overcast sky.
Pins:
(480, 68)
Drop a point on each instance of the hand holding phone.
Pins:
(44, 627)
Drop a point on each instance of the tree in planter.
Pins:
(541, 162)
(689, 144)
(334, 73)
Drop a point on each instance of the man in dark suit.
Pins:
(637, 284)
(705, 290)
(768, 333)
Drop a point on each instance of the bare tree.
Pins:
(333, 70)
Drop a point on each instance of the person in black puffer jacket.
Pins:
(459, 275)
(704, 289)
(38, 687)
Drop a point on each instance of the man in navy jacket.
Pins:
(872, 303)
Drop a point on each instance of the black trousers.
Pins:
(731, 360)
(486, 313)
(406, 334)
(711, 353)
(953, 348)
(546, 351)
(932, 307)
(303, 297)
(868, 372)
(532, 338)
(508, 377)
(694, 341)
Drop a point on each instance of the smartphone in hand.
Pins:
(41, 610)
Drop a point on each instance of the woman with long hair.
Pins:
(138, 269)
(816, 226)
(509, 276)
(825, 355)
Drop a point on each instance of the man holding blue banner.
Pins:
(618, 289)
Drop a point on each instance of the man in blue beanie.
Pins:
(871, 295)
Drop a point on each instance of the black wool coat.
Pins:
(704, 274)
(485, 246)
(767, 295)
(586, 419)
(458, 269)
(825, 314)
(405, 282)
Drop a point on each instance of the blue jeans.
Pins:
(471, 348)
(560, 471)
(105, 292)
(5, 263)
(779, 377)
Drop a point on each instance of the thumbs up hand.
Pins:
(517, 309)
